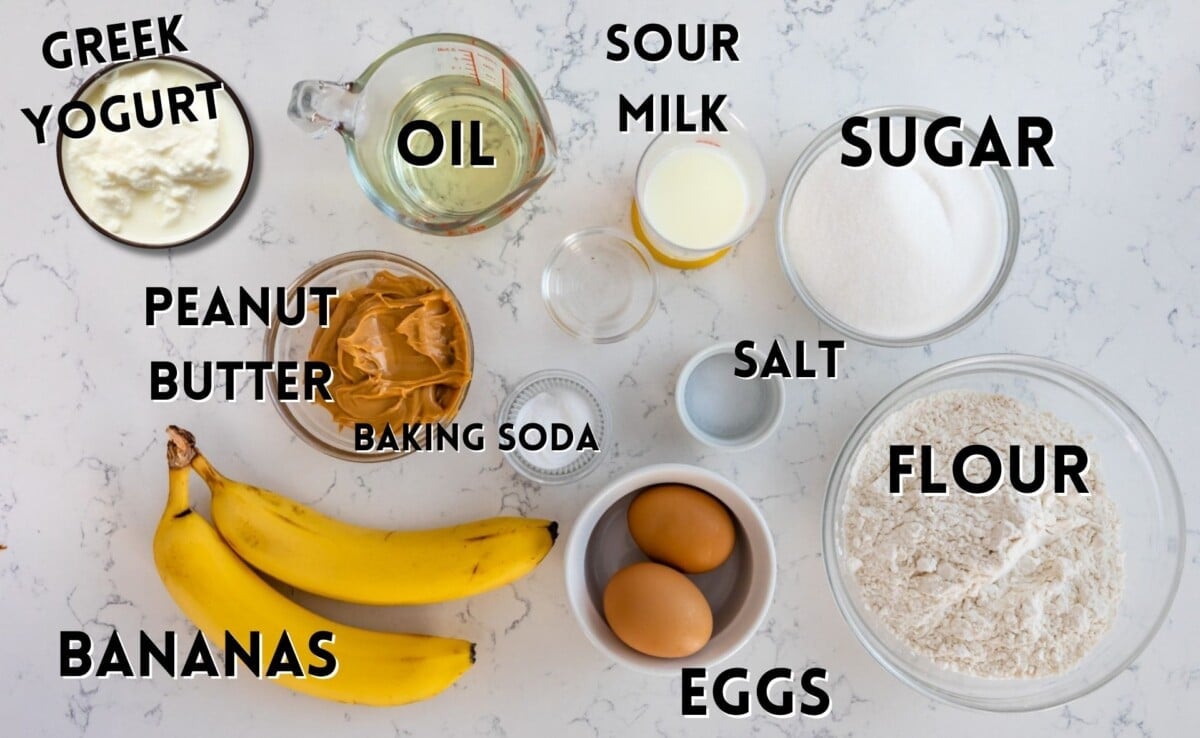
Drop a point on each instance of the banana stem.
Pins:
(182, 453)
(206, 471)
(178, 503)
(181, 447)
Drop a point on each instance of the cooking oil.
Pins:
(443, 188)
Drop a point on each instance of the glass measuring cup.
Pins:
(439, 78)
(725, 174)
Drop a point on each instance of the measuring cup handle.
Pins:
(318, 106)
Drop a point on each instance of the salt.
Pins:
(560, 405)
(895, 252)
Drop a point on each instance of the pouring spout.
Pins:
(318, 106)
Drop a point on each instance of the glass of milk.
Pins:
(698, 194)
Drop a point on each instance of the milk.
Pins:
(696, 197)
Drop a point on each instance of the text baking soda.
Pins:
(558, 405)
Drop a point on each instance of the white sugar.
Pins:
(895, 252)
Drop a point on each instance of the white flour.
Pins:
(1004, 585)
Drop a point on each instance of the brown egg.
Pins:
(656, 610)
(682, 526)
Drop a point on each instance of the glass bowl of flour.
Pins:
(1009, 601)
(896, 255)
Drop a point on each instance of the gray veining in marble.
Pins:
(1107, 279)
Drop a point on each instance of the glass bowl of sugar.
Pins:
(897, 255)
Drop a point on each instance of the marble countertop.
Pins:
(1107, 279)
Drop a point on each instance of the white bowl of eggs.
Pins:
(669, 567)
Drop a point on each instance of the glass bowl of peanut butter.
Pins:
(386, 356)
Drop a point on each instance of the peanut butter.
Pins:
(399, 351)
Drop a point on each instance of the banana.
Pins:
(298, 545)
(220, 594)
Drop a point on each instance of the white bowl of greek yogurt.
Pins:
(157, 152)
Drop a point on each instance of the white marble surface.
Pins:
(1107, 279)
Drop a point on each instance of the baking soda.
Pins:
(555, 406)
